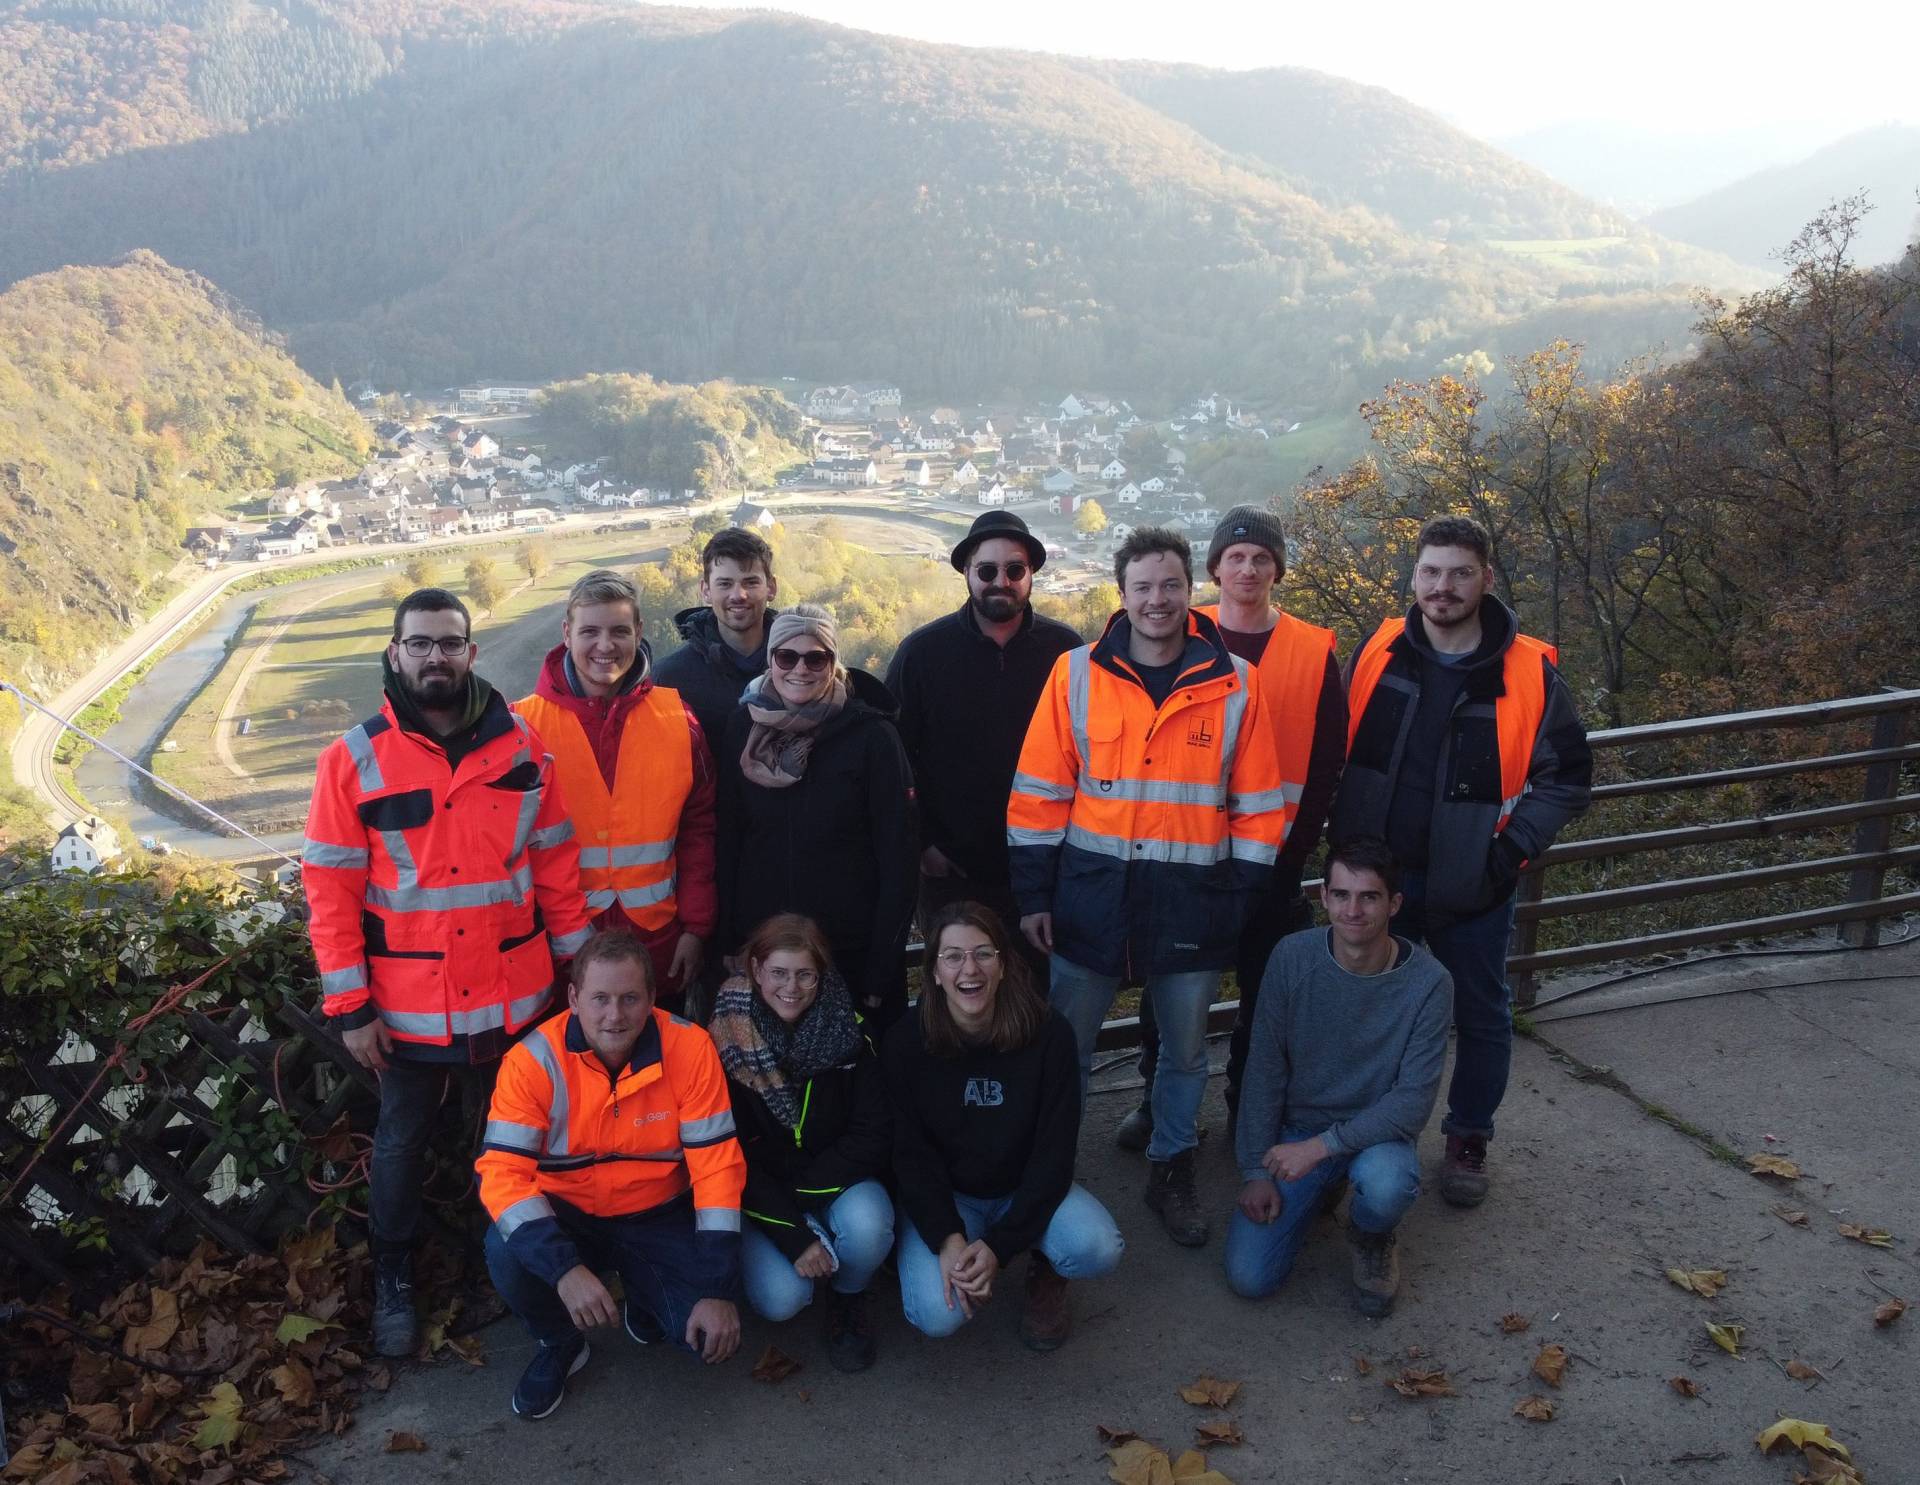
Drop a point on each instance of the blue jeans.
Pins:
(1081, 1242)
(861, 1222)
(1474, 951)
(653, 1252)
(1386, 1179)
(1180, 1003)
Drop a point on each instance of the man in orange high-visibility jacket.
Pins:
(610, 1144)
(1146, 813)
(1305, 700)
(638, 779)
(442, 880)
(1466, 755)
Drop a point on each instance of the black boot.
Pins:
(849, 1332)
(1136, 1130)
(1171, 1193)
(396, 1329)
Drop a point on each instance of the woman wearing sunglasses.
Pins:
(811, 1115)
(985, 1089)
(816, 810)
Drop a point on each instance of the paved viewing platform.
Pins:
(1612, 1165)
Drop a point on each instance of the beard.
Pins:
(434, 691)
(998, 605)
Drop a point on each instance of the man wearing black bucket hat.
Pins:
(967, 686)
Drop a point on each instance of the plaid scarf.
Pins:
(781, 736)
(763, 1053)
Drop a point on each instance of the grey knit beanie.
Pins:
(1251, 523)
(803, 618)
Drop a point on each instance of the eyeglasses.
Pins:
(986, 957)
(814, 660)
(988, 571)
(806, 979)
(419, 645)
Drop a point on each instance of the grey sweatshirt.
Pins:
(1352, 1058)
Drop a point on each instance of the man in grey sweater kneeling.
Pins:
(1349, 1038)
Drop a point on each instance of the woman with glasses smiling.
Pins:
(985, 1089)
(816, 810)
(811, 1114)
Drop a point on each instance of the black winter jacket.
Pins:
(703, 671)
(840, 846)
(844, 1137)
(965, 703)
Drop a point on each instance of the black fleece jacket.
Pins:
(706, 672)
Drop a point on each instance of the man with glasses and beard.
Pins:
(967, 685)
(442, 881)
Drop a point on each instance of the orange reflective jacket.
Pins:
(1143, 829)
(562, 1128)
(433, 891)
(627, 833)
(1291, 672)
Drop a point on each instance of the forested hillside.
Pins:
(130, 398)
(704, 194)
(711, 437)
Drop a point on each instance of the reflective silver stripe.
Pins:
(553, 835)
(1263, 801)
(1154, 791)
(565, 944)
(515, 1136)
(1079, 667)
(360, 748)
(320, 853)
(415, 1023)
(1179, 852)
(405, 869)
(647, 853)
(1254, 850)
(716, 1219)
(639, 897)
(1236, 713)
(527, 1209)
(541, 1050)
(708, 1131)
(601, 901)
(339, 981)
(1026, 783)
(1507, 806)
(523, 827)
(408, 899)
(1019, 835)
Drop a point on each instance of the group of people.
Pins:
(721, 857)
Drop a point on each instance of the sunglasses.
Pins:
(988, 571)
(814, 660)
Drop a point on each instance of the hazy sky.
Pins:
(1495, 67)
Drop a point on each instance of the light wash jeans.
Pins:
(1081, 1242)
(1386, 1179)
(1180, 1004)
(860, 1222)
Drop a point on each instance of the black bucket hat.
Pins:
(999, 523)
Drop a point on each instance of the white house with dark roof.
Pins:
(86, 846)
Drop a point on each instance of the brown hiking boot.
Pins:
(1376, 1271)
(1170, 1192)
(1463, 1173)
(1046, 1323)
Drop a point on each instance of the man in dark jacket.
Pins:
(726, 638)
(1466, 755)
(967, 685)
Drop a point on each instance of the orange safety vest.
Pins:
(1517, 712)
(1292, 670)
(627, 833)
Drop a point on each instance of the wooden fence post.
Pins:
(1526, 935)
(1875, 834)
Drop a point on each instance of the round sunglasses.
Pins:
(815, 661)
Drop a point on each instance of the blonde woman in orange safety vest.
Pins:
(638, 778)
(1466, 755)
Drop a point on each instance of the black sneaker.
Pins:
(645, 1330)
(1170, 1192)
(849, 1332)
(396, 1329)
(1136, 1130)
(543, 1384)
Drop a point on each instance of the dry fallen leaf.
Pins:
(1513, 1324)
(1727, 1337)
(1189, 1465)
(296, 1328)
(1362, 1367)
(1137, 1462)
(1705, 1282)
(1873, 1237)
(1685, 1386)
(774, 1365)
(1824, 1469)
(1538, 1409)
(1219, 1431)
(1792, 1216)
(1776, 1166)
(163, 1321)
(1422, 1381)
(294, 1382)
(220, 1411)
(1889, 1312)
(1797, 1433)
(402, 1442)
(1112, 1436)
(1209, 1392)
(1550, 1366)
(1801, 1372)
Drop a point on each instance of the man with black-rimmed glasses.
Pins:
(967, 685)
